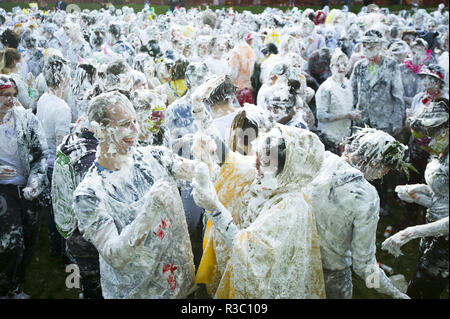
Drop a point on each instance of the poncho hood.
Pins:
(304, 156)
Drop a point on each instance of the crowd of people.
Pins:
(245, 155)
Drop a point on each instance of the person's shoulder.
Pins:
(90, 183)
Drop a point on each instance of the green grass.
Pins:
(159, 9)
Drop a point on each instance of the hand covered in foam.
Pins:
(393, 243)
(203, 149)
(417, 193)
(31, 191)
(203, 192)
(161, 194)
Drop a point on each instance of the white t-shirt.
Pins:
(55, 116)
(9, 154)
(223, 125)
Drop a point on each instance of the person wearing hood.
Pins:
(335, 107)
(346, 207)
(276, 254)
(23, 188)
(74, 156)
(233, 181)
(430, 278)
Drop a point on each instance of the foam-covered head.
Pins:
(375, 152)
(292, 155)
(56, 71)
(432, 121)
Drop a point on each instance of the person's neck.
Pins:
(58, 92)
(9, 70)
(435, 93)
(110, 161)
(375, 60)
(338, 79)
(223, 109)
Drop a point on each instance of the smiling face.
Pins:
(122, 131)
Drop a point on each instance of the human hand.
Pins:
(161, 194)
(404, 193)
(203, 191)
(204, 90)
(393, 243)
(203, 148)
(31, 191)
(7, 172)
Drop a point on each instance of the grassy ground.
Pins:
(163, 9)
(46, 275)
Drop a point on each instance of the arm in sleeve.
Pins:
(99, 228)
(395, 242)
(63, 186)
(37, 147)
(398, 92)
(363, 243)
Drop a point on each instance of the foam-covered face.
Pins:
(135, 42)
(267, 149)
(122, 132)
(202, 49)
(7, 99)
(196, 76)
(430, 26)
(376, 171)
(419, 54)
(339, 70)
(430, 83)
(371, 49)
(307, 27)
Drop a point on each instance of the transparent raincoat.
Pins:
(276, 253)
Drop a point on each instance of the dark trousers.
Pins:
(57, 242)
(19, 231)
(194, 220)
(431, 275)
(85, 255)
